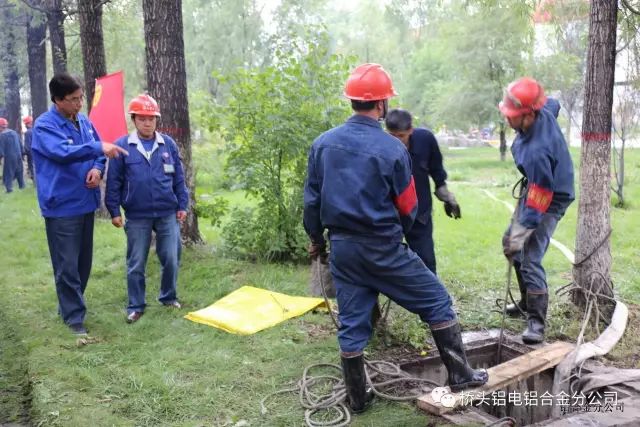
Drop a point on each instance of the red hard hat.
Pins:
(144, 105)
(521, 97)
(27, 120)
(369, 82)
(3, 122)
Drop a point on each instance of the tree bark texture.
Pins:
(55, 21)
(167, 83)
(503, 142)
(91, 39)
(593, 249)
(10, 66)
(37, 57)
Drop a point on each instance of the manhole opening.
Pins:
(528, 401)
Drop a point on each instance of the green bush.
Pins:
(272, 117)
(214, 209)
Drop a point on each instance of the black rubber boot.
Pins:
(512, 309)
(536, 315)
(461, 375)
(355, 382)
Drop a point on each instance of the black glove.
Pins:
(514, 240)
(452, 210)
(451, 206)
(317, 250)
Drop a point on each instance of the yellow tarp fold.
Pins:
(248, 310)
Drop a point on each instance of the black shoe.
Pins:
(461, 375)
(519, 309)
(536, 314)
(78, 329)
(355, 381)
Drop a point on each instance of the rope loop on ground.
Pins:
(324, 398)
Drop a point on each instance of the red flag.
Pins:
(107, 108)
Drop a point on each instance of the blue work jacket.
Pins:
(63, 155)
(359, 184)
(542, 156)
(27, 141)
(146, 185)
(426, 161)
(10, 146)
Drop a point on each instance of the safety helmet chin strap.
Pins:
(385, 108)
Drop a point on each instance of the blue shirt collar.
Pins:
(364, 120)
(135, 139)
(59, 118)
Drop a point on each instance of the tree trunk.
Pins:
(55, 21)
(37, 57)
(93, 57)
(10, 67)
(567, 131)
(503, 142)
(167, 83)
(94, 64)
(593, 249)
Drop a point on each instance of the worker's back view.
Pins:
(359, 187)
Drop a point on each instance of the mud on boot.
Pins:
(355, 380)
(449, 342)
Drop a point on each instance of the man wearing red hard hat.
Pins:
(359, 187)
(149, 185)
(546, 191)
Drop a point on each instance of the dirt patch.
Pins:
(318, 331)
(395, 352)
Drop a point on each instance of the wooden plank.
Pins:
(505, 374)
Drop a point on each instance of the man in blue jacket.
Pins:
(359, 187)
(69, 160)
(426, 161)
(28, 123)
(542, 157)
(149, 185)
(11, 149)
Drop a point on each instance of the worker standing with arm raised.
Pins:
(69, 161)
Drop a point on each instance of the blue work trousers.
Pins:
(12, 170)
(168, 249)
(71, 249)
(530, 257)
(420, 240)
(362, 271)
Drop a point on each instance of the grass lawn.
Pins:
(165, 370)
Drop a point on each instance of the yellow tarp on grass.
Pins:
(248, 310)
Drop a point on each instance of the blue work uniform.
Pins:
(12, 152)
(542, 157)
(64, 151)
(359, 187)
(426, 161)
(149, 184)
(28, 135)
